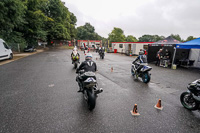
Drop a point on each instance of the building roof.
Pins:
(132, 42)
(89, 40)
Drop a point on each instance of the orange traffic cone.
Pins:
(134, 112)
(158, 105)
(111, 69)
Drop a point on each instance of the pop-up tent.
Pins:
(194, 46)
(168, 43)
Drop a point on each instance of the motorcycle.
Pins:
(89, 88)
(191, 98)
(102, 54)
(75, 60)
(143, 72)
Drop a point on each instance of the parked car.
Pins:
(30, 49)
(5, 51)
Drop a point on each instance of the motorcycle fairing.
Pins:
(146, 68)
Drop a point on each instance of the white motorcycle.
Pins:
(143, 72)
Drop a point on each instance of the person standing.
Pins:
(158, 57)
(167, 57)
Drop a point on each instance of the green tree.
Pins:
(87, 32)
(131, 38)
(34, 29)
(27, 21)
(12, 16)
(60, 27)
(150, 38)
(177, 37)
(117, 35)
(190, 38)
(73, 30)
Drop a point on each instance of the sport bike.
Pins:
(89, 88)
(191, 98)
(143, 72)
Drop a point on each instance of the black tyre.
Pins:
(91, 100)
(132, 72)
(11, 56)
(75, 65)
(146, 77)
(188, 101)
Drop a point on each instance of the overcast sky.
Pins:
(139, 17)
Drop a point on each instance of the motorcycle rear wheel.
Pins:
(91, 100)
(188, 101)
(146, 77)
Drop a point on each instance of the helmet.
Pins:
(88, 56)
(141, 53)
(75, 49)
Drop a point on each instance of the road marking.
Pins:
(51, 85)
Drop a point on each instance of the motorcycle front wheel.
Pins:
(132, 72)
(146, 77)
(75, 65)
(188, 101)
(91, 100)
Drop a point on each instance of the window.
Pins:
(120, 45)
(5, 45)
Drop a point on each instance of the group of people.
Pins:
(90, 65)
(163, 58)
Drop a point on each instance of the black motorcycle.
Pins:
(191, 98)
(102, 54)
(89, 88)
(143, 72)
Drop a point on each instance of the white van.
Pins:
(5, 51)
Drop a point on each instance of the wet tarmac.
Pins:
(39, 94)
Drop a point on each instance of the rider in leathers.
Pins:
(141, 60)
(87, 65)
(74, 52)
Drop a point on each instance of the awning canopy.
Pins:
(168, 40)
(193, 44)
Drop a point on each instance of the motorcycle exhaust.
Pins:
(99, 91)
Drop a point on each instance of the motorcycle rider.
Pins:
(101, 50)
(86, 50)
(88, 66)
(74, 54)
(141, 60)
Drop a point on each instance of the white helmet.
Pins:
(88, 56)
(75, 49)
